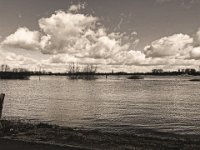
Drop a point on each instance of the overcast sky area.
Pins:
(119, 35)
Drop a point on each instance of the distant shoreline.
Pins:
(94, 139)
(172, 73)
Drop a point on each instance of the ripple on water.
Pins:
(160, 103)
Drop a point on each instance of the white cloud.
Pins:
(176, 45)
(20, 60)
(23, 38)
(63, 31)
(74, 37)
(175, 50)
(14, 60)
(195, 53)
(131, 57)
(62, 59)
(82, 37)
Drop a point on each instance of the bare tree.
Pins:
(74, 68)
(88, 72)
(5, 68)
(90, 69)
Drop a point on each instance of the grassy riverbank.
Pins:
(93, 139)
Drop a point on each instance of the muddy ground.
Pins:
(79, 138)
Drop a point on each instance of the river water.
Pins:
(166, 104)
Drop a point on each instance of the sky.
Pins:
(128, 35)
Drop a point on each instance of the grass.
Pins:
(95, 139)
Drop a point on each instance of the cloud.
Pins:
(81, 36)
(76, 8)
(175, 50)
(195, 53)
(23, 38)
(19, 59)
(176, 45)
(15, 60)
(132, 57)
(62, 59)
(70, 36)
(64, 32)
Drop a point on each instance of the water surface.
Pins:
(167, 104)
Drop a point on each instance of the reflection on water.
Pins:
(164, 104)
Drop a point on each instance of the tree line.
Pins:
(6, 68)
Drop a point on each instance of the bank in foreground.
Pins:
(50, 136)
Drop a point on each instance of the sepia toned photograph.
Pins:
(100, 74)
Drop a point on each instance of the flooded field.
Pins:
(165, 104)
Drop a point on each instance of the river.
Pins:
(166, 104)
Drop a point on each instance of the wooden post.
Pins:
(1, 103)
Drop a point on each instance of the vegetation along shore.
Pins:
(81, 138)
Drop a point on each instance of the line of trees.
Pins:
(87, 72)
(6, 68)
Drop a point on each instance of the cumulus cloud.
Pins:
(62, 59)
(23, 38)
(16, 60)
(175, 50)
(20, 59)
(81, 36)
(64, 32)
(176, 45)
(70, 36)
(131, 57)
(195, 53)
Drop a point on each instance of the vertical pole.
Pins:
(39, 73)
(1, 103)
